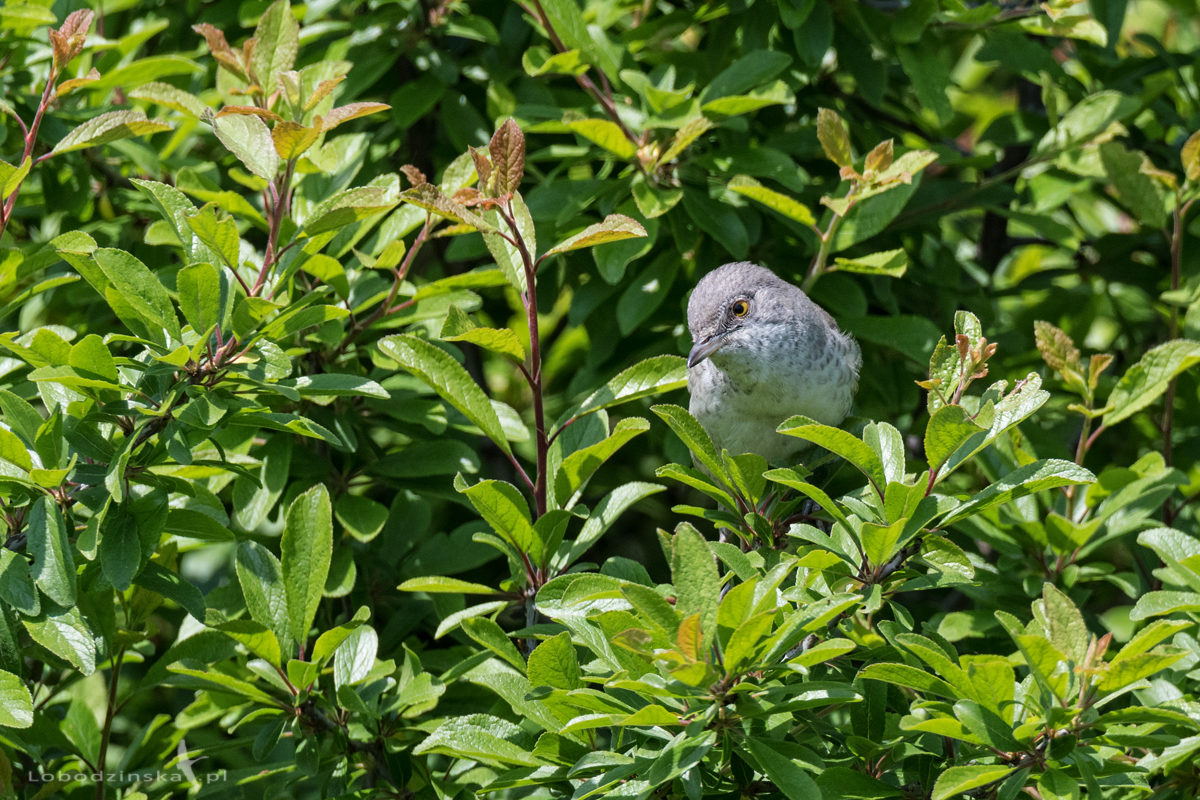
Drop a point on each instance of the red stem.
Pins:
(386, 306)
(30, 140)
(534, 374)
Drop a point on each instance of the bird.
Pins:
(763, 352)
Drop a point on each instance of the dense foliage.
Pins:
(344, 450)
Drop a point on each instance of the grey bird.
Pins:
(763, 352)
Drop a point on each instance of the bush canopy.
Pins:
(344, 449)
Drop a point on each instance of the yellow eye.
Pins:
(740, 308)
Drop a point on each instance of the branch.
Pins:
(603, 97)
(386, 307)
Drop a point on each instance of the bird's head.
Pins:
(731, 305)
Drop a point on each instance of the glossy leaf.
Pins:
(109, 127)
(307, 548)
(444, 375)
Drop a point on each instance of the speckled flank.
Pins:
(786, 356)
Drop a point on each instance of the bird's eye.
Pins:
(740, 308)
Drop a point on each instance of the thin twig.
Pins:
(535, 360)
(602, 96)
(386, 308)
(110, 713)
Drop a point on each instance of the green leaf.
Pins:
(248, 138)
(554, 663)
(334, 384)
(1147, 380)
(16, 584)
(930, 76)
(746, 641)
(888, 444)
(1142, 194)
(774, 94)
(579, 466)
(790, 477)
(1063, 623)
(893, 263)
(606, 134)
(653, 608)
(167, 95)
(949, 428)
(718, 220)
(196, 525)
(12, 177)
(64, 633)
(16, 704)
(362, 517)
(834, 138)
(109, 127)
(504, 508)
(293, 321)
(908, 677)
(452, 621)
(646, 293)
(694, 575)
(200, 295)
(350, 206)
(957, 780)
(355, 656)
(776, 201)
(539, 61)
(788, 777)
(683, 139)
(13, 450)
(605, 513)
(256, 637)
(655, 375)
(23, 418)
(1128, 671)
(841, 443)
(144, 70)
(479, 737)
(277, 41)
(440, 585)
(176, 210)
(750, 71)
(613, 228)
(172, 586)
(261, 579)
(1038, 476)
(492, 636)
(1155, 604)
(328, 642)
(53, 567)
(120, 554)
(307, 548)
(458, 328)
(212, 680)
(139, 290)
(692, 434)
(218, 231)
(653, 200)
(1089, 117)
(448, 378)
(1190, 157)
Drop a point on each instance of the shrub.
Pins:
(344, 452)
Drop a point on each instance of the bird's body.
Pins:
(764, 352)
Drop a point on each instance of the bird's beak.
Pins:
(704, 349)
